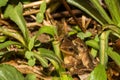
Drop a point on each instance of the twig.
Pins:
(30, 12)
(33, 24)
(66, 13)
(34, 4)
(68, 8)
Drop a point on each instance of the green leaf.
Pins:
(114, 28)
(8, 43)
(51, 30)
(93, 43)
(93, 52)
(72, 32)
(29, 54)
(15, 14)
(3, 2)
(100, 9)
(56, 45)
(43, 61)
(7, 11)
(31, 43)
(98, 73)
(104, 47)
(12, 33)
(43, 7)
(2, 53)
(114, 55)
(39, 17)
(66, 77)
(55, 63)
(82, 35)
(48, 54)
(3, 38)
(96, 38)
(55, 78)
(30, 76)
(86, 6)
(113, 7)
(8, 72)
(31, 62)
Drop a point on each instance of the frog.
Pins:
(76, 56)
(83, 53)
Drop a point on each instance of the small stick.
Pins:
(68, 8)
(37, 3)
(66, 13)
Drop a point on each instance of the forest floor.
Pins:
(71, 24)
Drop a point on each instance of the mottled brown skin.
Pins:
(76, 55)
(82, 50)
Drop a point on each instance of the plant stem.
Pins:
(56, 45)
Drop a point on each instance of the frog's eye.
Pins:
(81, 46)
(70, 49)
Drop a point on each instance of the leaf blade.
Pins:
(98, 73)
(3, 2)
(86, 7)
(8, 43)
(17, 17)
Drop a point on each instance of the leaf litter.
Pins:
(76, 54)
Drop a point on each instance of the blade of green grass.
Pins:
(89, 9)
(114, 28)
(56, 45)
(101, 11)
(114, 55)
(114, 9)
(48, 54)
(43, 61)
(12, 33)
(8, 43)
(104, 47)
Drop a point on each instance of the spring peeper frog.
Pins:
(75, 54)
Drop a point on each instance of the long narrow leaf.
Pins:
(16, 15)
(56, 48)
(42, 60)
(101, 10)
(89, 9)
(113, 7)
(56, 64)
(114, 55)
(49, 54)
(114, 28)
(104, 47)
(8, 43)
(12, 33)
